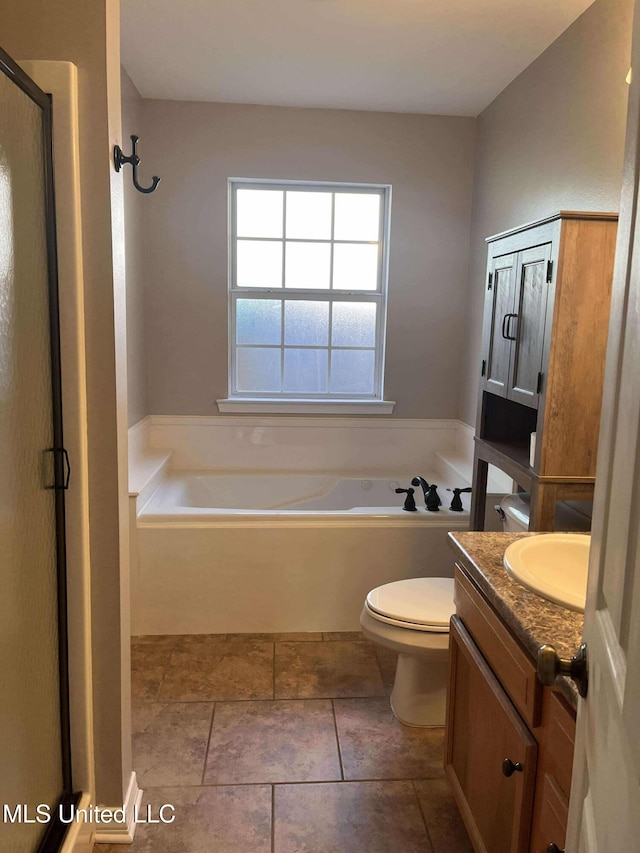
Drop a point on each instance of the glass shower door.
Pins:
(34, 732)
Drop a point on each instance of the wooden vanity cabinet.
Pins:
(486, 730)
(509, 741)
(545, 328)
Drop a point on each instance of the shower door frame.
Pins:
(55, 832)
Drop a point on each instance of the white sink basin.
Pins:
(553, 565)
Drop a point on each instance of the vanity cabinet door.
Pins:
(490, 754)
(497, 313)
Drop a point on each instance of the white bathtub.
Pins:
(272, 552)
(288, 498)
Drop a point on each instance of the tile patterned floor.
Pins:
(283, 743)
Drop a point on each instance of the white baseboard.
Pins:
(122, 833)
(80, 835)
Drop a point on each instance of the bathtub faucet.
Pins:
(433, 499)
(420, 481)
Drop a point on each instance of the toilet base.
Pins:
(419, 695)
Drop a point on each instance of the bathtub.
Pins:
(287, 498)
(279, 552)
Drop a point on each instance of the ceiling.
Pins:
(448, 57)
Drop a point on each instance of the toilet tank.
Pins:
(514, 512)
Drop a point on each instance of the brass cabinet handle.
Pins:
(550, 666)
(509, 767)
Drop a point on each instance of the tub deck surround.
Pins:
(260, 443)
(533, 620)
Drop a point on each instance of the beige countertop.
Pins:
(533, 620)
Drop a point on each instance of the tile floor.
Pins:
(282, 743)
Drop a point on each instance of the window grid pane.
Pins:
(257, 253)
(318, 347)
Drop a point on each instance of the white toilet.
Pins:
(412, 618)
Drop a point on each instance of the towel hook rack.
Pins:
(119, 158)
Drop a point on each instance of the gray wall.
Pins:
(552, 140)
(134, 255)
(196, 147)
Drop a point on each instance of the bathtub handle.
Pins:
(409, 502)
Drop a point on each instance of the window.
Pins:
(307, 290)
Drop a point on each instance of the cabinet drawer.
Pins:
(511, 664)
(559, 742)
(483, 730)
(551, 823)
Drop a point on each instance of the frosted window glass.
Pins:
(354, 324)
(309, 215)
(355, 266)
(305, 371)
(258, 321)
(357, 216)
(352, 371)
(306, 323)
(259, 264)
(259, 213)
(257, 369)
(308, 265)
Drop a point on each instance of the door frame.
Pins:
(613, 671)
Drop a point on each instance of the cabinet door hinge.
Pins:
(539, 385)
(484, 367)
(489, 286)
(549, 271)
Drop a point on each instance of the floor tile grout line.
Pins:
(424, 817)
(375, 651)
(159, 690)
(280, 784)
(206, 752)
(273, 818)
(335, 727)
(206, 699)
(304, 782)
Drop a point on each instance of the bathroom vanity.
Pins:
(509, 740)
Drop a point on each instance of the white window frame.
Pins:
(326, 401)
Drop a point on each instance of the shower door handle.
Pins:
(66, 468)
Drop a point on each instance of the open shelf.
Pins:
(513, 459)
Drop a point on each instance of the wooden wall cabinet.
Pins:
(509, 741)
(545, 329)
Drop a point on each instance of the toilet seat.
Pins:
(419, 604)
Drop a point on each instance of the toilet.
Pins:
(570, 516)
(412, 618)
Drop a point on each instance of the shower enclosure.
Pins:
(35, 759)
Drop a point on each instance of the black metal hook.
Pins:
(119, 158)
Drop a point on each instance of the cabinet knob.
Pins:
(553, 848)
(550, 666)
(509, 767)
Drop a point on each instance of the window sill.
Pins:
(305, 407)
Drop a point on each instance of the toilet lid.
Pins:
(427, 602)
